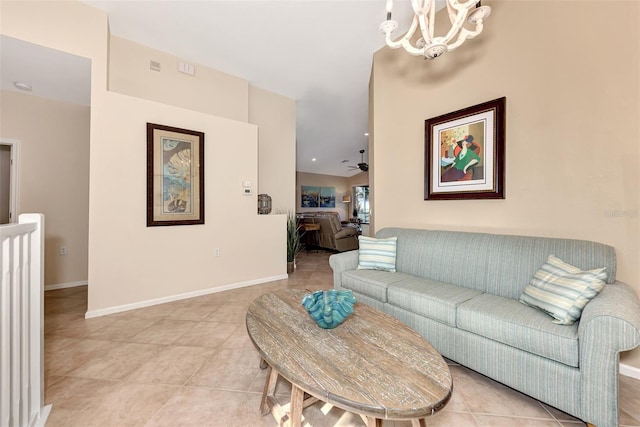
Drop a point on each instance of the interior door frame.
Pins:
(14, 148)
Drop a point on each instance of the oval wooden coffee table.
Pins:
(372, 364)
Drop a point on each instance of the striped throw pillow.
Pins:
(562, 290)
(377, 254)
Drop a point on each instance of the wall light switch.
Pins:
(186, 68)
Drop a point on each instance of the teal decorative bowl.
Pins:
(329, 308)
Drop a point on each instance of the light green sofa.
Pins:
(460, 291)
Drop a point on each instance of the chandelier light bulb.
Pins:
(430, 46)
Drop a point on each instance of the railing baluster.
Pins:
(21, 339)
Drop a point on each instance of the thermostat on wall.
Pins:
(246, 188)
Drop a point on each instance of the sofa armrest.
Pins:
(346, 232)
(342, 262)
(610, 323)
(612, 318)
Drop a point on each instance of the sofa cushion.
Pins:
(428, 298)
(562, 290)
(372, 283)
(377, 254)
(507, 321)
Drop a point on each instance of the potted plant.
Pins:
(293, 241)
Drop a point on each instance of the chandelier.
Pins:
(425, 12)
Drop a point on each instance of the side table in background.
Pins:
(311, 235)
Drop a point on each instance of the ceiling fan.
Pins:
(362, 165)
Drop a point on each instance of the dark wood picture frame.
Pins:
(465, 153)
(175, 176)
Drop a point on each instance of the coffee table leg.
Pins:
(297, 400)
(269, 389)
(418, 422)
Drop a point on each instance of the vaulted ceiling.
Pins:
(318, 52)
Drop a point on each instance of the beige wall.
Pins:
(128, 262)
(275, 116)
(571, 76)
(53, 176)
(340, 183)
(132, 262)
(360, 179)
(209, 91)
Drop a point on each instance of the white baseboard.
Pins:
(629, 371)
(163, 300)
(65, 285)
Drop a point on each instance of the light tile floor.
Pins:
(190, 363)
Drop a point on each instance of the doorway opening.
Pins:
(361, 209)
(8, 180)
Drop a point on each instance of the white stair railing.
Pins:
(22, 323)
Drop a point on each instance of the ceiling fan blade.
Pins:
(362, 165)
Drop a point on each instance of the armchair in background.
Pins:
(332, 235)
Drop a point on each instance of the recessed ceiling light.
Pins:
(22, 86)
(313, 160)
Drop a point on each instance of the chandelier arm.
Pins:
(432, 21)
(459, 11)
(404, 40)
(422, 9)
(411, 50)
(466, 34)
(424, 28)
(418, 7)
(403, 43)
(462, 6)
(456, 26)
(424, 16)
(451, 11)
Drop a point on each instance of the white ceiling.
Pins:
(51, 74)
(318, 52)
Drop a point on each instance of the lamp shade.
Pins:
(346, 199)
